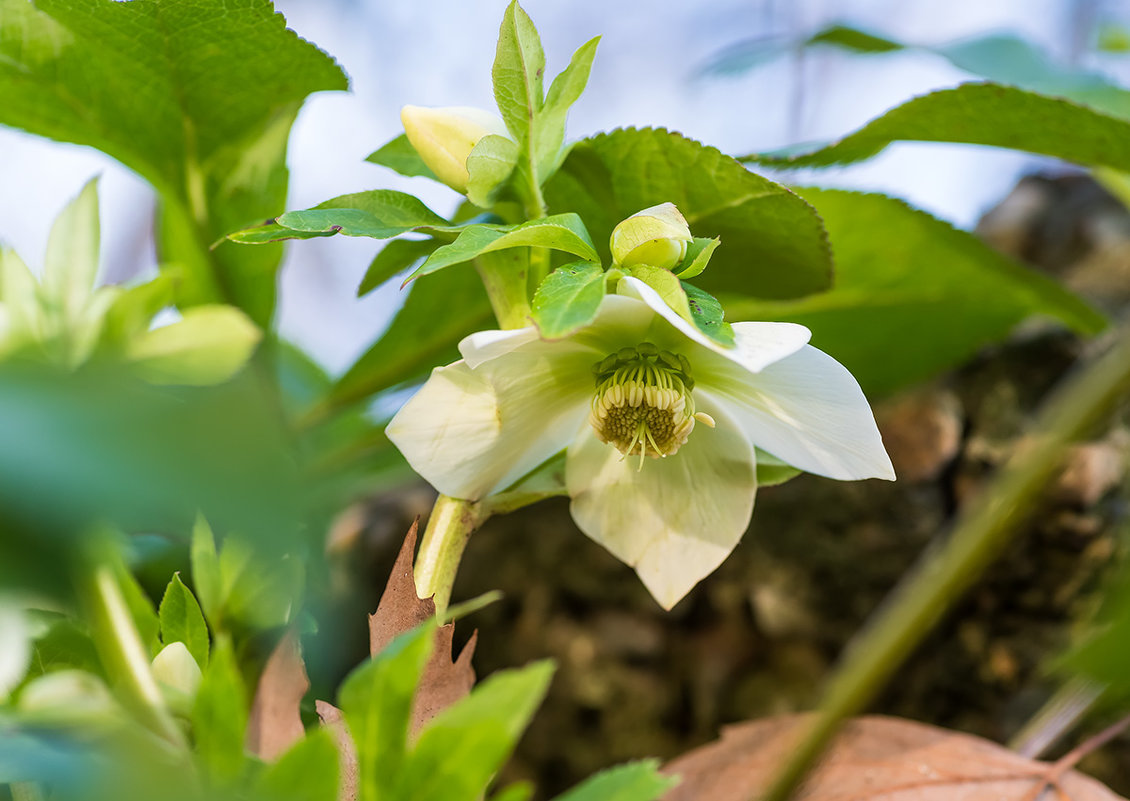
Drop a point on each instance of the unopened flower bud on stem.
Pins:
(445, 137)
(657, 236)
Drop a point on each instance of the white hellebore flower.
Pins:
(663, 390)
(445, 137)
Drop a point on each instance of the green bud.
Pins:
(657, 237)
(175, 668)
(445, 137)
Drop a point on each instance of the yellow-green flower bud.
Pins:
(445, 137)
(175, 668)
(657, 236)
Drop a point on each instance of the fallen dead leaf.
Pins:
(445, 680)
(875, 758)
(334, 720)
(275, 723)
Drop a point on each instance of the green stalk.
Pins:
(449, 527)
(505, 276)
(121, 650)
(943, 575)
(25, 791)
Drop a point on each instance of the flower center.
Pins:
(643, 403)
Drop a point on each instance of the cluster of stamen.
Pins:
(643, 402)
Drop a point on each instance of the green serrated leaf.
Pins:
(519, 65)
(775, 245)
(397, 255)
(698, 257)
(461, 749)
(568, 298)
(70, 264)
(636, 781)
(377, 701)
(564, 232)
(399, 156)
(219, 716)
(182, 621)
(565, 90)
(309, 771)
(491, 162)
(707, 315)
(205, 565)
(439, 311)
(208, 345)
(925, 295)
(203, 115)
(134, 308)
(981, 114)
(380, 214)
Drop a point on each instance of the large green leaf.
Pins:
(916, 298)
(197, 96)
(980, 114)
(773, 243)
(377, 701)
(394, 257)
(440, 311)
(564, 232)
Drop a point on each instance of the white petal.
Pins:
(806, 410)
(474, 432)
(482, 346)
(675, 520)
(756, 344)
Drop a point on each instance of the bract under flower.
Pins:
(514, 400)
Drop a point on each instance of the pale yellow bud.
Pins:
(175, 668)
(444, 137)
(657, 237)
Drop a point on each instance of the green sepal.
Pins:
(698, 256)
(489, 165)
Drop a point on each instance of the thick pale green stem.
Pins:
(942, 576)
(124, 655)
(505, 276)
(449, 527)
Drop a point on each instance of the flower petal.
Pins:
(806, 410)
(675, 520)
(756, 344)
(482, 346)
(474, 432)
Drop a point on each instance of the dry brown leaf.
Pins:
(275, 723)
(874, 758)
(333, 720)
(444, 681)
(400, 609)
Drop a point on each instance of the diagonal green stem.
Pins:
(449, 527)
(121, 650)
(943, 575)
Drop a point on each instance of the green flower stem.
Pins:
(504, 274)
(121, 650)
(944, 575)
(449, 527)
